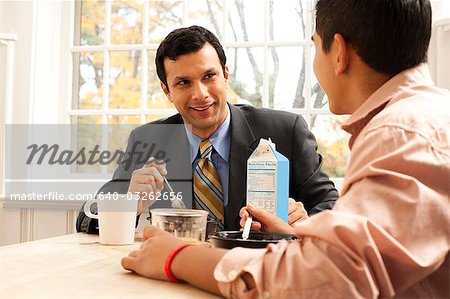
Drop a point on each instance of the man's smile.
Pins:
(202, 108)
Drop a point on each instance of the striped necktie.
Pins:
(208, 194)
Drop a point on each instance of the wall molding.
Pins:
(26, 225)
(6, 203)
(26, 211)
(71, 217)
(8, 40)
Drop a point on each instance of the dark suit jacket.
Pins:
(293, 139)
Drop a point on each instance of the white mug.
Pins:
(116, 217)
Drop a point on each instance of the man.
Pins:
(388, 234)
(191, 65)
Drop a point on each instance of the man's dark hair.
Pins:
(185, 41)
(389, 35)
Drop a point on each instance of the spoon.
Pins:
(247, 225)
(176, 202)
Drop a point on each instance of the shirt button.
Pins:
(233, 274)
(266, 294)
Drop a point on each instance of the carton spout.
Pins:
(268, 179)
(272, 145)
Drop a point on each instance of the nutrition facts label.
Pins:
(262, 185)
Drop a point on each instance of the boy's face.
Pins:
(324, 69)
(198, 89)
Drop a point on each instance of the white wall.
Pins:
(51, 60)
(439, 53)
(20, 21)
(40, 95)
(4, 19)
(441, 9)
(41, 58)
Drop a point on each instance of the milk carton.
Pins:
(268, 180)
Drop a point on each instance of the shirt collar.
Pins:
(387, 94)
(220, 139)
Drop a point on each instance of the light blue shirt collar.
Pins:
(220, 139)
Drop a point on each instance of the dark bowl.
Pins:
(231, 239)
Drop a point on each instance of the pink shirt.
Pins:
(389, 233)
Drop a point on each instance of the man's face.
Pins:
(324, 70)
(198, 89)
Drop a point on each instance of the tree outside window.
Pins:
(268, 49)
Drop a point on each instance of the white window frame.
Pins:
(143, 112)
(307, 111)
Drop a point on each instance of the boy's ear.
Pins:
(342, 54)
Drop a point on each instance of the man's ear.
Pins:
(165, 90)
(342, 54)
(227, 73)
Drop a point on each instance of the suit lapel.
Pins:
(180, 168)
(242, 144)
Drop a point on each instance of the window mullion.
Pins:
(265, 93)
(224, 23)
(106, 61)
(144, 61)
(106, 71)
(250, 44)
(74, 64)
(185, 21)
(308, 100)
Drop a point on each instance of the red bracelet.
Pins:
(169, 261)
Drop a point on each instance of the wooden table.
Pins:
(77, 266)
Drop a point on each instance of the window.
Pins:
(269, 55)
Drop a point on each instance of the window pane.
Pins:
(165, 16)
(88, 137)
(153, 117)
(123, 119)
(155, 97)
(126, 22)
(288, 14)
(87, 119)
(118, 132)
(87, 86)
(246, 20)
(206, 13)
(246, 67)
(333, 143)
(90, 24)
(319, 99)
(287, 72)
(125, 79)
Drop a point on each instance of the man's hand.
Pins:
(263, 221)
(266, 222)
(296, 212)
(146, 181)
(149, 260)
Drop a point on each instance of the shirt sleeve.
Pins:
(387, 233)
(352, 258)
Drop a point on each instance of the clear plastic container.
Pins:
(189, 225)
